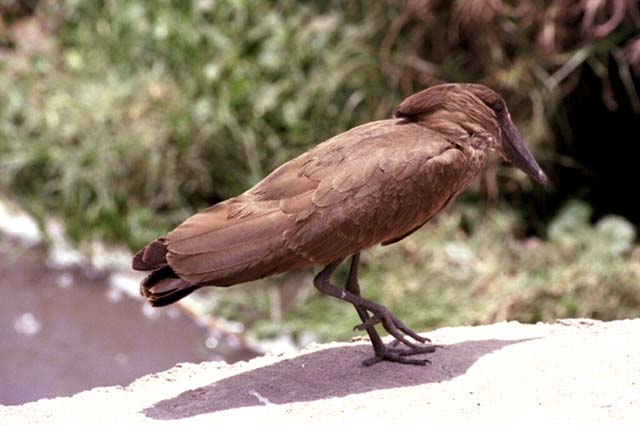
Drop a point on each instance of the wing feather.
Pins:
(383, 188)
(372, 184)
(214, 231)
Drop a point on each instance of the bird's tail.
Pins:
(162, 286)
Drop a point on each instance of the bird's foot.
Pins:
(394, 327)
(393, 354)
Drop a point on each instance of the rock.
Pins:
(572, 372)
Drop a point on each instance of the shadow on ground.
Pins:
(327, 373)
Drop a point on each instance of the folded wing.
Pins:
(375, 183)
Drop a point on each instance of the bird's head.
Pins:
(475, 103)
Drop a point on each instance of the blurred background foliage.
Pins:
(122, 118)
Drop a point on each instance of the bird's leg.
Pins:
(382, 315)
(382, 352)
(353, 286)
(368, 322)
(376, 319)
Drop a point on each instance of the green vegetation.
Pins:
(123, 117)
(137, 114)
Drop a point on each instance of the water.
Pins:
(64, 330)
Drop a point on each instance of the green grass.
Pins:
(144, 112)
(129, 116)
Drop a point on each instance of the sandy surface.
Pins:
(572, 372)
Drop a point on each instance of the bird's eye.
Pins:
(498, 107)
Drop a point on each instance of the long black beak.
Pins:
(515, 150)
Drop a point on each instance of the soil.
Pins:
(571, 372)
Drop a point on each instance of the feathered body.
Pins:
(374, 184)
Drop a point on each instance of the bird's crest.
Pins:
(430, 100)
(421, 103)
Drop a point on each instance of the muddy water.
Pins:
(64, 331)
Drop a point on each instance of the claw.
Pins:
(400, 355)
(394, 358)
(389, 324)
(394, 327)
(406, 330)
(415, 336)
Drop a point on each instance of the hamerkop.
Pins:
(374, 184)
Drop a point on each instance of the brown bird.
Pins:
(374, 184)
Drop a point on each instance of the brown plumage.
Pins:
(374, 184)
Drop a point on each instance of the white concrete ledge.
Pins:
(572, 372)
